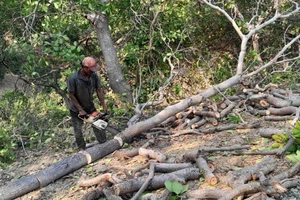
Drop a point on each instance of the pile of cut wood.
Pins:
(269, 103)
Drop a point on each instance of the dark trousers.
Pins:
(78, 124)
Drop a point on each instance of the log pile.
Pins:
(251, 182)
(269, 103)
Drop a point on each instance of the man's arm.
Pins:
(100, 95)
(76, 104)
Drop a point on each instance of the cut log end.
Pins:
(213, 180)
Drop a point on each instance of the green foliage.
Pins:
(233, 119)
(177, 188)
(294, 157)
(28, 121)
(280, 140)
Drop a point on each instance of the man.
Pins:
(81, 86)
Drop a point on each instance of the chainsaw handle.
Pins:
(82, 117)
(100, 116)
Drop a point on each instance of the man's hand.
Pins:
(82, 113)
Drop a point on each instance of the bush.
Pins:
(27, 120)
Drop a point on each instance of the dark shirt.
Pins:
(83, 88)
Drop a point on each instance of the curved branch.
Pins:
(274, 60)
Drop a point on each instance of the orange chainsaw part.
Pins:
(95, 113)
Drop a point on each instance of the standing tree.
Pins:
(114, 71)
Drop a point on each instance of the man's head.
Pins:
(90, 64)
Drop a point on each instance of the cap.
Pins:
(90, 63)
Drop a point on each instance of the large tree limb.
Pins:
(157, 181)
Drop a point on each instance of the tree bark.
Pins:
(48, 175)
(157, 181)
(116, 79)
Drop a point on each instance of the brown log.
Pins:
(240, 177)
(278, 152)
(278, 102)
(159, 167)
(94, 194)
(168, 122)
(241, 189)
(109, 194)
(253, 111)
(249, 91)
(231, 126)
(275, 94)
(213, 121)
(268, 132)
(264, 103)
(166, 194)
(206, 194)
(198, 124)
(193, 121)
(249, 188)
(207, 113)
(257, 97)
(96, 180)
(176, 123)
(284, 175)
(290, 110)
(183, 132)
(213, 107)
(210, 178)
(57, 170)
(278, 118)
(295, 99)
(186, 114)
(223, 105)
(146, 182)
(236, 98)
(286, 183)
(259, 196)
(157, 181)
(183, 124)
(214, 149)
(125, 153)
(269, 86)
(228, 109)
(132, 152)
(152, 154)
(171, 167)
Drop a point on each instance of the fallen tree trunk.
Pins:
(67, 165)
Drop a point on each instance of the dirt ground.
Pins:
(174, 148)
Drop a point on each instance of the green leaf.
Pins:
(168, 185)
(294, 157)
(48, 140)
(185, 188)
(175, 187)
(89, 169)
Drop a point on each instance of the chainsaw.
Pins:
(100, 122)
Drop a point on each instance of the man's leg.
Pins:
(100, 135)
(77, 125)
